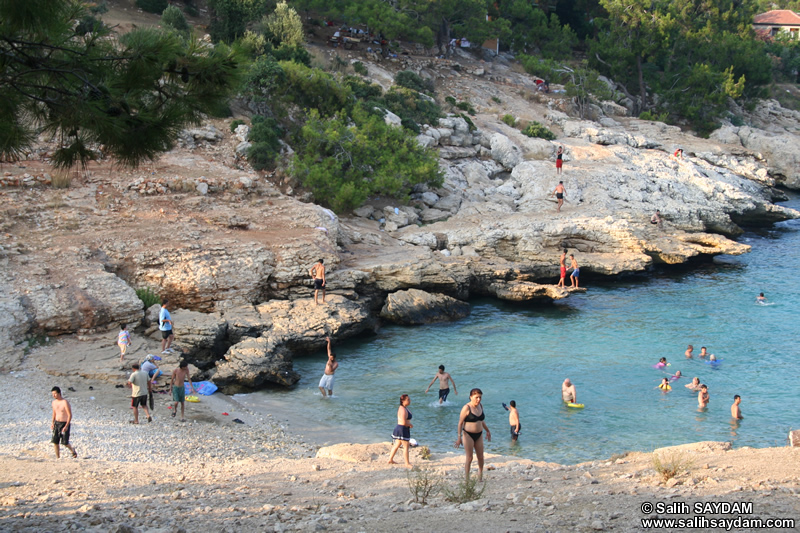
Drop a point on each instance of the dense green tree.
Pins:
(131, 94)
(347, 158)
(172, 17)
(230, 18)
(531, 30)
(284, 23)
(584, 87)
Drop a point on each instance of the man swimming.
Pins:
(444, 390)
(689, 351)
(703, 352)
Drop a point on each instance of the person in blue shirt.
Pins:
(165, 325)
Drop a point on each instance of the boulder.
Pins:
(794, 438)
(202, 337)
(414, 306)
(252, 363)
(505, 152)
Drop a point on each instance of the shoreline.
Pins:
(205, 475)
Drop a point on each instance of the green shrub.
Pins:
(297, 54)
(148, 297)
(423, 484)
(152, 6)
(411, 80)
(359, 67)
(345, 159)
(469, 122)
(408, 104)
(172, 17)
(650, 115)
(547, 69)
(535, 129)
(668, 465)
(262, 156)
(510, 120)
(265, 134)
(450, 100)
(736, 120)
(496, 100)
(465, 491)
(466, 106)
(99, 8)
(236, 123)
(191, 10)
(363, 90)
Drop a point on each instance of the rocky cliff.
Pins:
(232, 248)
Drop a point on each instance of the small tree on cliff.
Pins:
(83, 85)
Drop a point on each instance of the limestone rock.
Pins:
(794, 438)
(414, 306)
(504, 151)
(203, 337)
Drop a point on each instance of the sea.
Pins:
(607, 341)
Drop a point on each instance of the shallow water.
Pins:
(606, 341)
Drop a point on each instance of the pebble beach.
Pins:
(215, 475)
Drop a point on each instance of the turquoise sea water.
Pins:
(606, 341)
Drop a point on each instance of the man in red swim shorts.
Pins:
(563, 262)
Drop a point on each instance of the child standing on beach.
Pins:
(123, 341)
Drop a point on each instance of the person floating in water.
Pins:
(702, 397)
(761, 298)
(689, 351)
(694, 385)
(568, 393)
(665, 386)
(677, 376)
(735, 411)
(444, 390)
(661, 363)
(513, 419)
(703, 352)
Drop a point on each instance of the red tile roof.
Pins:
(780, 17)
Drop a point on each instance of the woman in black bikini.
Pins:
(402, 433)
(470, 431)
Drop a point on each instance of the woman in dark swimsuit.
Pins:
(470, 431)
(401, 434)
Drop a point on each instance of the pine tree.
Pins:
(85, 86)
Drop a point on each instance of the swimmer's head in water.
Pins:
(662, 360)
(712, 357)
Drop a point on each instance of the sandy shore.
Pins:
(216, 475)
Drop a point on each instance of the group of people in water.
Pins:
(471, 421)
(695, 385)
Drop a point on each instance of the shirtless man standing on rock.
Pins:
(562, 268)
(444, 389)
(179, 376)
(559, 193)
(62, 418)
(318, 275)
(326, 383)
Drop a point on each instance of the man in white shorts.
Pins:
(326, 383)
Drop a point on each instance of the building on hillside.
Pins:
(770, 24)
